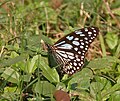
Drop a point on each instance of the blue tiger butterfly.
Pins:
(70, 50)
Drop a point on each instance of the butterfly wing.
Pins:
(71, 49)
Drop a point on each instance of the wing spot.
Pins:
(86, 49)
(79, 52)
(76, 43)
(82, 57)
(78, 68)
(69, 53)
(59, 43)
(82, 43)
(79, 64)
(65, 46)
(86, 38)
(83, 51)
(81, 47)
(78, 32)
(71, 67)
(86, 42)
(94, 31)
(91, 37)
(86, 29)
(90, 40)
(76, 49)
(74, 68)
(70, 63)
(78, 59)
(69, 37)
(75, 64)
(75, 60)
(68, 72)
(72, 71)
(82, 34)
(89, 32)
(62, 54)
(71, 57)
(76, 39)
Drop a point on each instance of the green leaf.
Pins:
(104, 62)
(27, 77)
(45, 88)
(11, 75)
(85, 96)
(112, 90)
(32, 65)
(112, 40)
(99, 88)
(11, 61)
(106, 85)
(81, 80)
(46, 39)
(50, 74)
(116, 11)
(61, 85)
(10, 89)
(115, 96)
(9, 93)
(95, 90)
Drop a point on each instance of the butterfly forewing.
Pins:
(70, 50)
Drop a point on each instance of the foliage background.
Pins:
(24, 71)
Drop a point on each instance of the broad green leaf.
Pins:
(99, 88)
(104, 81)
(95, 90)
(112, 40)
(104, 62)
(112, 90)
(27, 77)
(34, 43)
(32, 64)
(9, 93)
(45, 88)
(46, 39)
(14, 54)
(11, 75)
(61, 85)
(13, 47)
(81, 80)
(106, 86)
(11, 61)
(115, 96)
(10, 89)
(85, 96)
(50, 73)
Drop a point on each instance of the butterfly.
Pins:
(69, 51)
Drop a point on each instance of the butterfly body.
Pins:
(70, 50)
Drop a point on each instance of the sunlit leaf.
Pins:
(11, 75)
(112, 40)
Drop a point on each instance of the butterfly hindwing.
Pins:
(71, 49)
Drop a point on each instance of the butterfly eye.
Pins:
(71, 49)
